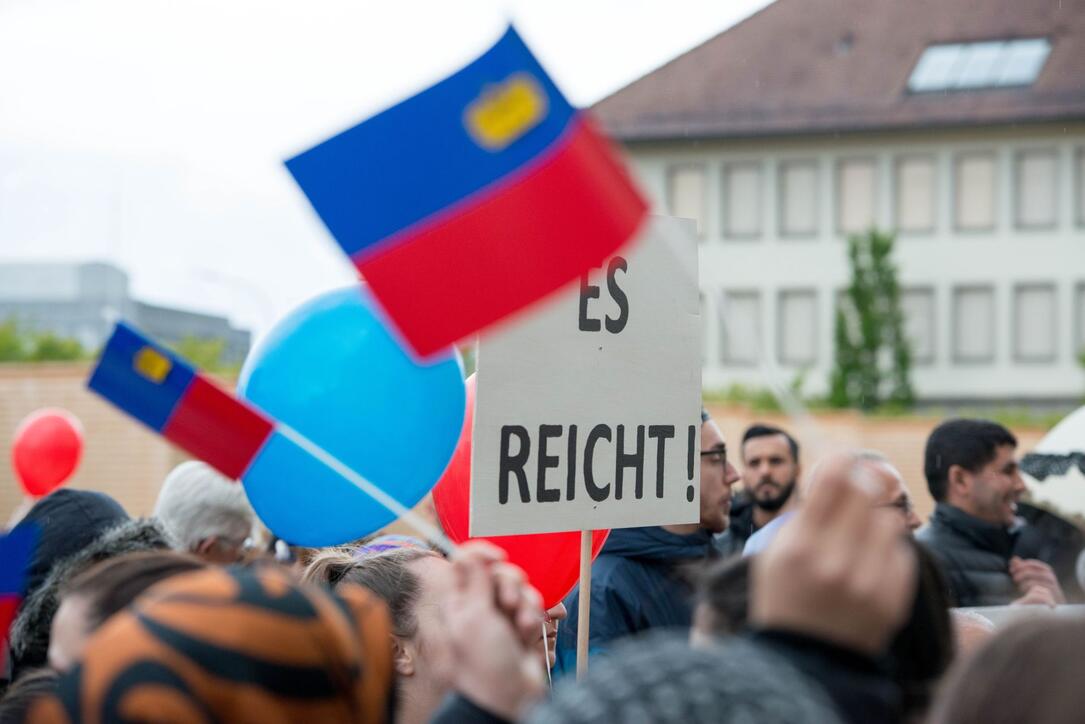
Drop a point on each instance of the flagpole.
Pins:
(420, 524)
(583, 616)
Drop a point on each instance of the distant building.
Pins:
(958, 124)
(84, 300)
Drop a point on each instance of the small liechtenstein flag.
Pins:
(165, 393)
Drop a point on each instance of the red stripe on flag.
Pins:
(217, 428)
(9, 606)
(514, 244)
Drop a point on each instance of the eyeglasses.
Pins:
(715, 457)
(904, 505)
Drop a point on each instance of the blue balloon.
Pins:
(333, 372)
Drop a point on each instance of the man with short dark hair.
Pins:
(987, 552)
(770, 469)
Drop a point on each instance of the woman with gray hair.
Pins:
(206, 512)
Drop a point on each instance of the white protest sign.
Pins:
(587, 410)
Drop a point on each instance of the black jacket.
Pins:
(859, 686)
(975, 555)
(640, 580)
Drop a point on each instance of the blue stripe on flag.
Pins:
(140, 377)
(418, 157)
(16, 549)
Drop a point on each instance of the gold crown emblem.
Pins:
(152, 364)
(505, 111)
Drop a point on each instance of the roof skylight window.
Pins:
(987, 64)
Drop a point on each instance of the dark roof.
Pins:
(823, 66)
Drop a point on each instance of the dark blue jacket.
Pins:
(639, 581)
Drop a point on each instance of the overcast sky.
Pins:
(151, 133)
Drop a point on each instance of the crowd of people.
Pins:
(809, 594)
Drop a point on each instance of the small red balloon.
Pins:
(550, 560)
(46, 450)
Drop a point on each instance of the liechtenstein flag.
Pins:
(472, 199)
(163, 392)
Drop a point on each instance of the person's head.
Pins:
(1027, 673)
(717, 477)
(89, 598)
(207, 512)
(67, 520)
(237, 644)
(411, 581)
(549, 638)
(30, 631)
(723, 599)
(15, 702)
(770, 466)
(893, 493)
(971, 465)
(893, 502)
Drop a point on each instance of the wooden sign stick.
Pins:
(583, 616)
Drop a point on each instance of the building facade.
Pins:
(959, 126)
(83, 301)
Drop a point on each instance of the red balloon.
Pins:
(550, 560)
(46, 450)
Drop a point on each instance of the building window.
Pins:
(686, 194)
(919, 323)
(1034, 326)
(974, 325)
(1035, 189)
(856, 195)
(1079, 173)
(797, 339)
(740, 328)
(974, 192)
(916, 194)
(798, 198)
(742, 200)
(986, 64)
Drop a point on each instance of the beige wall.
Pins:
(124, 459)
(120, 456)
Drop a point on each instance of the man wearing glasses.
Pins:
(896, 498)
(892, 496)
(640, 580)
